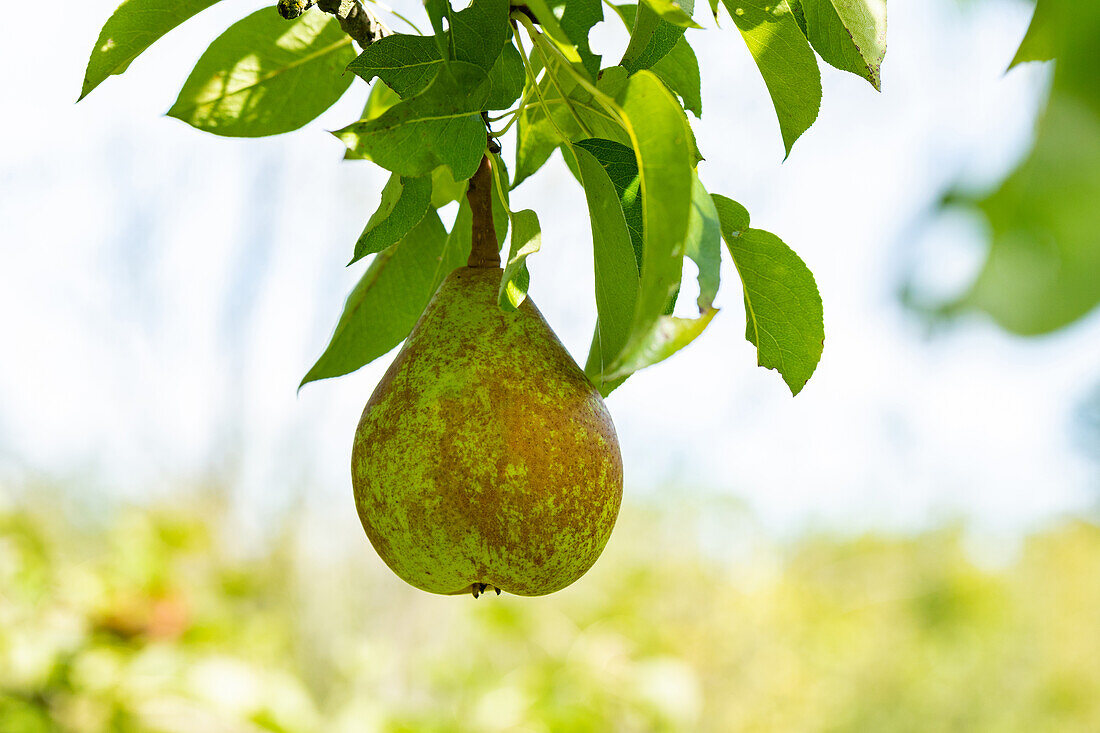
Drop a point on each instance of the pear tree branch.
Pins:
(354, 17)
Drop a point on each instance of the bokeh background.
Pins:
(910, 544)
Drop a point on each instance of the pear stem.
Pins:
(484, 248)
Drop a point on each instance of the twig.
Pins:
(354, 18)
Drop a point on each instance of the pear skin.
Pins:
(485, 458)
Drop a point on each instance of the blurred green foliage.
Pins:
(1042, 272)
(161, 620)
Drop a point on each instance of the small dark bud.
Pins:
(291, 9)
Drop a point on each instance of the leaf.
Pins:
(389, 298)
(380, 99)
(131, 29)
(406, 63)
(704, 244)
(265, 76)
(577, 19)
(676, 13)
(405, 201)
(848, 34)
(613, 255)
(678, 68)
(651, 38)
(548, 19)
(437, 11)
(480, 32)
(621, 167)
(785, 60)
(539, 134)
(526, 240)
(1040, 42)
(617, 271)
(445, 188)
(506, 79)
(440, 126)
(782, 305)
(662, 146)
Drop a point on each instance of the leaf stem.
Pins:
(546, 64)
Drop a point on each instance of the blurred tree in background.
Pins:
(1042, 271)
(157, 621)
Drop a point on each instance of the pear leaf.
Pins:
(266, 76)
(783, 311)
(405, 201)
(440, 126)
(131, 29)
(785, 60)
(526, 240)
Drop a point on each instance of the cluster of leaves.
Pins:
(1043, 268)
(156, 621)
(623, 130)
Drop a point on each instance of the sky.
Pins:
(163, 291)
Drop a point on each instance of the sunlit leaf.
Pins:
(679, 68)
(785, 60)
(131, 29)
(651, 37)
(848, 34)
(783, 311)
(662, 146)
(265, 76)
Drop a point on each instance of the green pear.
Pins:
(485, 459)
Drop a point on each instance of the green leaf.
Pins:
(389, 298)
(577, 20)
(651, 38)
(438, 11)
(576, 50)
(782, 305)
(577, 115)
(614, 256)
(621, 167)
(405, 201)
(406, 63)
(676, 13)
(380, 99)
(131, 29)
(445, 188)
(480, 32)
(440, 126)
(678, 68)
(848, 34)
(1041, 40)
(265, 76)
(785, 60)
(506, 79)
(704, 244)
(662, 146)
(526, 240)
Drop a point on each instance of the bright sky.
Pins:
(163, 290)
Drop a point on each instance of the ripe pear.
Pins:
(485, 459)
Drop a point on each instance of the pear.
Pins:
(485, 459)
